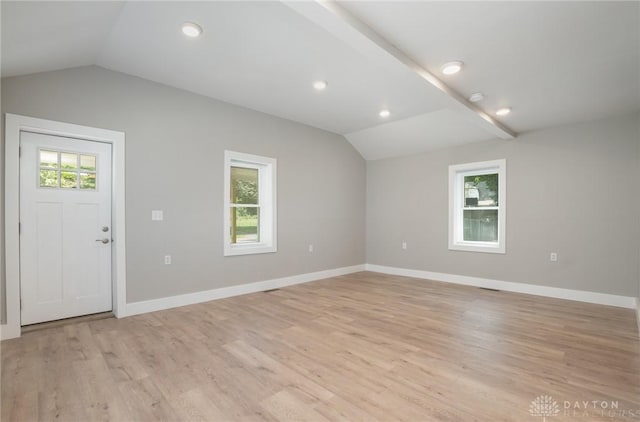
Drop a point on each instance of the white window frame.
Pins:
(267, 202)
(457, 173)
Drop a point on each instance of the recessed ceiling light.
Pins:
(451, 67)
(503, 111)
(476, 97)
(320, 85)
(191, 29)
(384, 113)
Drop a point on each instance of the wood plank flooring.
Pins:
(362, 347)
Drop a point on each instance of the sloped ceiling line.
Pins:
(314, 12)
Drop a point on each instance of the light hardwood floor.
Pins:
(362, 347)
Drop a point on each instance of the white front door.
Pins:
(65, 227)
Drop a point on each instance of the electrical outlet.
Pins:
(157, 215)
(310, 248)
(167, 260)
(404, 245)
(553, 257)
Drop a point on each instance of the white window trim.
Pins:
(267, 168)
(456, 176)
(14, 124)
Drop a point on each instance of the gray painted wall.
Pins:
(573, 190)
(174, 162)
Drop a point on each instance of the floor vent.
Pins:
(491, 290)
(271, 290)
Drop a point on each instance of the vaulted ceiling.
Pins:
(552, 62)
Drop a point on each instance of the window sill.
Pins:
(483, 247)
(250, 249)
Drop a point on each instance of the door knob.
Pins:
(105, 240)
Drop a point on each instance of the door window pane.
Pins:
(68, 179)
(67, 170)
(68, 161)
(245, 224)
(87, 180)
(88, 162)
(244, 185)
(48, 178)
(48, 159)
(480, 225)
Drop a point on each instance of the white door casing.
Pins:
(65, 239)
(14, 125)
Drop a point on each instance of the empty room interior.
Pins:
(320, 211)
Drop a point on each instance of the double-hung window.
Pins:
(477, 206)
(250, 204)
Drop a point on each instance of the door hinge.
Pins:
(19, 227)
(21, 303)
(19, 152)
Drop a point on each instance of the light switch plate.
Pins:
(157, 215)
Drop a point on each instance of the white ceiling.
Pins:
(439, 129)
(554, 63)
(263, 56)
(43, 36)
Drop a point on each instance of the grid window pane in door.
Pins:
(68, 179)
(88, 172)
(48, 178)
(68, 161)
(48, 159)
(87, 181)
(88, 162)
(67, 170)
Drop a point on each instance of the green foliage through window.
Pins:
(61, 170)
(245, 220)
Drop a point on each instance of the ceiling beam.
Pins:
(336, 20)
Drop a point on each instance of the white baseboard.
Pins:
(9, 331)
(532, 289)
(153, 305)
